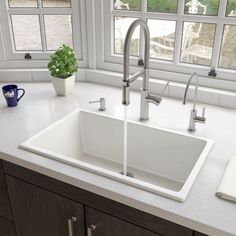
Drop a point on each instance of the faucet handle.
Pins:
(151, 98)
(203, 112)
(102, 102)
(156, 99)
(163, 91)
(199, 119)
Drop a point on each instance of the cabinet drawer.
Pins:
(6, 228)
(101, 224)
(5, 210)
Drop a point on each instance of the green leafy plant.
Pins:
(63, 62)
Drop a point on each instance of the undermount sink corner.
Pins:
(162, 161)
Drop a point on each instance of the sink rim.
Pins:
(176, 195)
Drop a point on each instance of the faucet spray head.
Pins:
(126, 94)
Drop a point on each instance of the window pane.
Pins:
(132, 5)
(56, 3)
(228, 49)
(121, 25)
(165, 6)
(197, 43)
(231, 8)
(26, 32)
(162, 35)
(202, 7)
(23, 3)
(58, 31)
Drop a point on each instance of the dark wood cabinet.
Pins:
(5, 209)
(106, 205)
(6, 227)
(101, 224)
(198, 234)
(6, 224)
(45, 206)
(39, 212)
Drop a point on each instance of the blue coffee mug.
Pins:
(10, 93)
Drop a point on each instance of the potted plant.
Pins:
(63, 66)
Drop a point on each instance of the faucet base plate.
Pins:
(129, 174)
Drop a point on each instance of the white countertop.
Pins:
(201, 211)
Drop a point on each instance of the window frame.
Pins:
(78, 29)
(107, 60)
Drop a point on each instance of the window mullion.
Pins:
(200, 18)
(23, 11)
(219, 34)
(109, 25)
(179, 30)
(78, 37)
(144, 6)
(222, 9)
(34, 11)
(42, 26)
(162, 16)
(126, 13)
(43, 33)
(178, 40)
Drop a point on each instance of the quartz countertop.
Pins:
(201, 210)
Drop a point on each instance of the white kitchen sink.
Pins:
(162, 161)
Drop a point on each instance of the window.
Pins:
(186, 35)
(38, 27)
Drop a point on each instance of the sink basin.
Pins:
(162, 161)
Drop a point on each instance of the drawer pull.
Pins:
(91, 229)
(71, 223)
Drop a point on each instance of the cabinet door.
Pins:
(101, 224)
(38, 212)
(6, 227)
(5, 210)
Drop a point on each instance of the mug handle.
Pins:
(18, 99)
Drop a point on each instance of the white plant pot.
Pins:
(63, 87)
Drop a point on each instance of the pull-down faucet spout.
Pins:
(146, 98)
(145, 73)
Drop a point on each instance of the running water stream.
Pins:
(125, 150)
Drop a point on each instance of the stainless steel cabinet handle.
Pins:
(71, 222)
(91, 229)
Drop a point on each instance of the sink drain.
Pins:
(129, 174)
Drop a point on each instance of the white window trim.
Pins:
(40, 58)
(107, 60)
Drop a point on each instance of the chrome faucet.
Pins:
(194, 118)
(146, 97)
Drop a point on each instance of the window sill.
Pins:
(212, 96)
